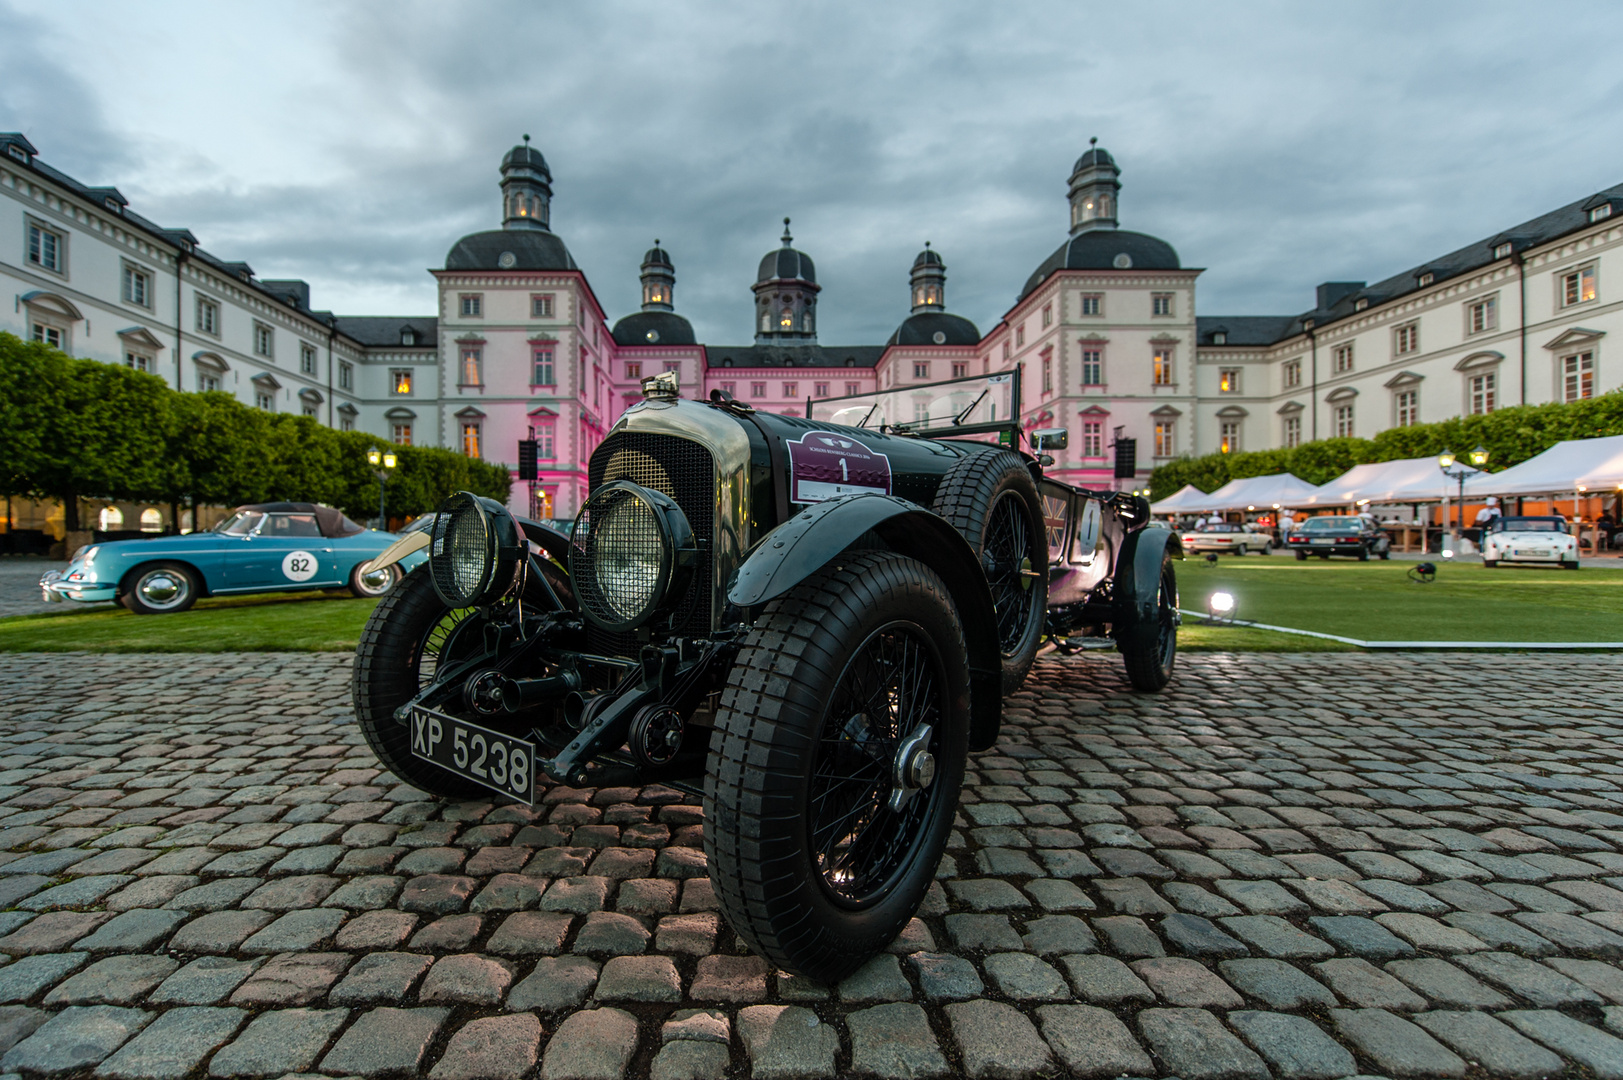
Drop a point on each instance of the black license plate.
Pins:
(500, 762)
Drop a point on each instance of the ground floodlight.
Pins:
(1423, 573)
(1220, 607)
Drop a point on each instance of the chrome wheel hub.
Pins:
(161, 589)
(913, 769)
(376, 580)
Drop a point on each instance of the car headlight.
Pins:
(629, 555)
(474, 553)
(89, 556)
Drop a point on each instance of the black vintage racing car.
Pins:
(809, 623)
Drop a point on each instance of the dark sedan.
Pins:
(1356, 537)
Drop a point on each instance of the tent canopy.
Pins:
(1186, 499)
(1592, 465)
(1405, 480)
(1260, 492)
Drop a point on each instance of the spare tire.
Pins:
(992, 500)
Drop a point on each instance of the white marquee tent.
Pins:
(1409, 480)
(1186, 500)
(1591, 465)
(1254, 492)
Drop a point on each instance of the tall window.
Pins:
(1230, 437)
(50, 335)
(1166, 438)
(473, 307)
(346, 423)
(1092, 303)
(820, 389)
(921, 370)
(1292, 372)
(346, 375)
(45, 248)
(730, 388)
(137, 286)
(634, 371)
(307, 358)
(208, 316)
(1578, 286)
(138, 361)
(473, 365)
(545, 444)
(1483, 391)
(852, 389)
(1161, 303)
(1093, 367)
(206, 381)
(1482, 315)
(400, 433)
(757, 389)
(1048, 371)
(1408, 408)
(264, 399)
(1228, 381)
(470, 438)
(1406, 339)
(541, 306)
(1344, 420)
(1293, 431)
(1048, 315)
(400, 381)
(1578, 376)
(791, 389)
(1343, 358)
(960, 370)
(542, 372)
(1020, 335)
(1164, 373)
(264, 340)
(1093, 438)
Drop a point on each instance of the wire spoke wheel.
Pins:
(441, 643)
(891, 689)
(1006, 555)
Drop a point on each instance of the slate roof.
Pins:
(1245, 329)
(1099, 249)
(671, 328)
(383, 330)
(921, 328)
(532, 249)
(786, 262)
(797, 356)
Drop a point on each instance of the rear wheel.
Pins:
(836, 762)
(1363, 554)
(1573, 565)
(163, 588)
(1490, 563)
(1239, 549)
(1301, 556)
(991, 499)
(405, 638)
(1149, 649)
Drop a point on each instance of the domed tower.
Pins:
(786, 296)
(1095, 182)
(658, 280)
(657, 323)
(929, 324)
(526, 189)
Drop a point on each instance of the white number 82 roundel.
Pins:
(299, 566)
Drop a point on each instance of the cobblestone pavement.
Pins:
(1288, 865)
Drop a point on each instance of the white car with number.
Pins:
(1529, 540)
(1227, 536)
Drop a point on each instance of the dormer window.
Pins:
(1502, 251)
(17, 152)
(408, 337)
(1361, 303)
(1426, 279)
(1600, 212)
(112, 204)
(1220, 338)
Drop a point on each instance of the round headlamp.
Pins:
(474, 553)
(629, 555)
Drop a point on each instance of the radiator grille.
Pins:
(684, 470)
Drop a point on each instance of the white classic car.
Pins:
(1227, 536)
(1529, 539)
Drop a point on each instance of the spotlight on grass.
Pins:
(1423, 573)
(1211, 558)
(1220, 607)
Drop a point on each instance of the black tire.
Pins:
(1149, 651)
(1386, 554)
(1363, 554)
(368, 586)
(785, 766)
(1490, 563)
(1573, 565)
(160, 588)
(1301, 556)
(992, 500)
(399, 649)
(1239, 549)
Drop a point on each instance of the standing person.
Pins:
(1287, 522)
(1485, 516)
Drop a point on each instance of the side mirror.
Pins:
(1050, 438)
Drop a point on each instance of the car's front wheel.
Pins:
(836, 762)
(160, 588)
(1149, 649)
(370, 586)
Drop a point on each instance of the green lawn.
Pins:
(1372, 601)
(276, 622)
(1375, 601)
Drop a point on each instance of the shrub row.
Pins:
(1511, 436)
(73, 428)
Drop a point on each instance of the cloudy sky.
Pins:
(1276, 144)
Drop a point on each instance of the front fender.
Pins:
(1138, 575)
(807, 542)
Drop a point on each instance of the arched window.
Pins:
(151, 520)
(112, 519)
(786, 319)
(1104, 206)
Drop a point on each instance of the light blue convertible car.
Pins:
(268, 547)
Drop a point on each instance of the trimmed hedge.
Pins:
(82, 428)
(1510, 435)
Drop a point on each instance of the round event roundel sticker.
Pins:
(299, 566)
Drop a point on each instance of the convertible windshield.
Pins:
(1529, 524)
(1329, 525)
(944, 408)
(240, 523)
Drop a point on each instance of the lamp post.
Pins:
(382, 462)
(1457, 470)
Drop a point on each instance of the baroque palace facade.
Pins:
(1104, 332)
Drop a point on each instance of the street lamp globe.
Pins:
(1446, 459)
(373, 456)
(1479, 456)
(389, 460)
